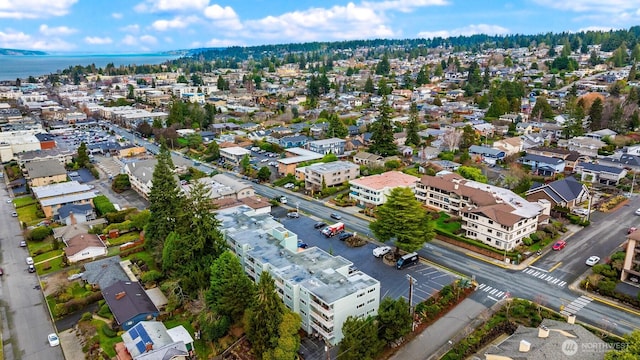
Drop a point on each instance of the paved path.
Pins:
(440, 332)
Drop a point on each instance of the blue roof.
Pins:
(601, 168)
(143, 337)
(475, 149)
(542, 159)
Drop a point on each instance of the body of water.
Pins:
(14, 67)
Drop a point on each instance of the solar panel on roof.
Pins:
(141, 347)
(143, 334)
(134, 333)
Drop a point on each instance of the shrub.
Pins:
(104, 311)
(86, 316)
(40, 233)
(151, 276)
(107, 331)
(607, 287)
(527, 241)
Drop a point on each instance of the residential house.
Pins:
(631, 265)
(601, 134)
(84, 246)
(510, 146)
(524, 128)
(64, 156)
(293, 141)
(555, 152)
(543, 165)
(64, 233)
(573, 159)
(320, 175)
(493, 215)
(368, 159)
(512, 118)
(567, 192)
(486, 154)
(45, 172)
(105, 272)
(625, 161)
(548, 341)
(601, 174)
(75, 214)
(400, 138)
(295, 156)
(233, 155)
(583, 145)
(151, 340)
(322, 288)
(371, 191)
(129, 303)
(328, 146)
(52, 197)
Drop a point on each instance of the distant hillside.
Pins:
(21, 52)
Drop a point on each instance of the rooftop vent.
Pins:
(525, 346)
(543, 332)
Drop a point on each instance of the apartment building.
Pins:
(233, 155)
(631, 265)
(319, 175)
(322, 288)
(328, 146)
(372, 190)
(140, 175)
(496, 216)
(53, 197)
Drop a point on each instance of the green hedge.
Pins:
(474, 243)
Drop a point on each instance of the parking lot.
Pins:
(393, 283)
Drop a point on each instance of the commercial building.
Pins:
(373, 190)
(319, 175)
(322, 288)
(498, 217)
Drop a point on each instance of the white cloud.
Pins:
(465, 31)
(34, 9)
(338, 22)
(133, 28)
(224, 17)
(608, 6)
(148, 39)
(129, 40)
(596, 28)
(56, 31)
(96, 40)
(19, 40)
(179, 22)
(117, 16)
(219, 43)
(403, 5)
(168, 6)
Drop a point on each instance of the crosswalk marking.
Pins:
(576, 305)
(544, 276)
(493, 293)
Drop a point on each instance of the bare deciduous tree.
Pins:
(451, 139)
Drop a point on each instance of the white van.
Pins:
(29, 260)
(283, 199)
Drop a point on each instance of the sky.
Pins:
(148, 26)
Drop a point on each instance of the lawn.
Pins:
(27, 213)
(40, 247)
(106, 343)
(125, 238)
(24, 201)
(450, 227)
(144, 256)
(55, 265)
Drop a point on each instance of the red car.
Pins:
(559, 245)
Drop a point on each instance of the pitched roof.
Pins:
(390, 179)
(82, 241)
(65, 210)
(104, 272)
(563, 190)
(127, 299)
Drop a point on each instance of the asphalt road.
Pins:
(25, 317)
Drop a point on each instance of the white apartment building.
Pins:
(141, 175)
(496, 216)
(233, 155)
(327, 174)
(373, 190)
(318, 286)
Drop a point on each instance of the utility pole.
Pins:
(589, 204)
(632, 182)
(412, 281)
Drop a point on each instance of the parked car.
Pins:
(293, 215)
(381, 251)
(302, 245)
(23, 243)
(638, 212)
(319, 225)
(345, 236)
(14, 214)
(559, 245)
(336, 216)
(580, 211)
(53, 340)
(1, 272)
(29, 260)
(592, 260)
(289, 186)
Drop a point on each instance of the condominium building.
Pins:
(233, 155)
(322, 288)
(498, 217)
(327, 146)
(373, 190)
(631, 265)
(319, 175)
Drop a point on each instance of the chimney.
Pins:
(120, 295)
(72, 217)
(571, 319)
(148, 347)
(525, 346)
(543, 332)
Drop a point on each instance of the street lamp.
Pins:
(412, 281)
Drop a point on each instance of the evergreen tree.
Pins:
(368, 86)
(422, 77)
(336, 127)
(632, 72)
(486, 78)
(265, 316)
(165, 203)
(360, 341)
(634, 121)
(231, 290)
(383, 67)
(595, 115)
(383, 87)
(542, 109)
(403, 218)
(394, 319)
(413, 126)
(264, 174)
(82, 157)
(382, 133)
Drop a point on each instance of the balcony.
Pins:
(326, 323)
(324, 333)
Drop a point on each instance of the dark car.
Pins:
(319, 225)
(345, 236)
(302, 245)
(335, 216)
(32, 269)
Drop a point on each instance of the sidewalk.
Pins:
(440, 333)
